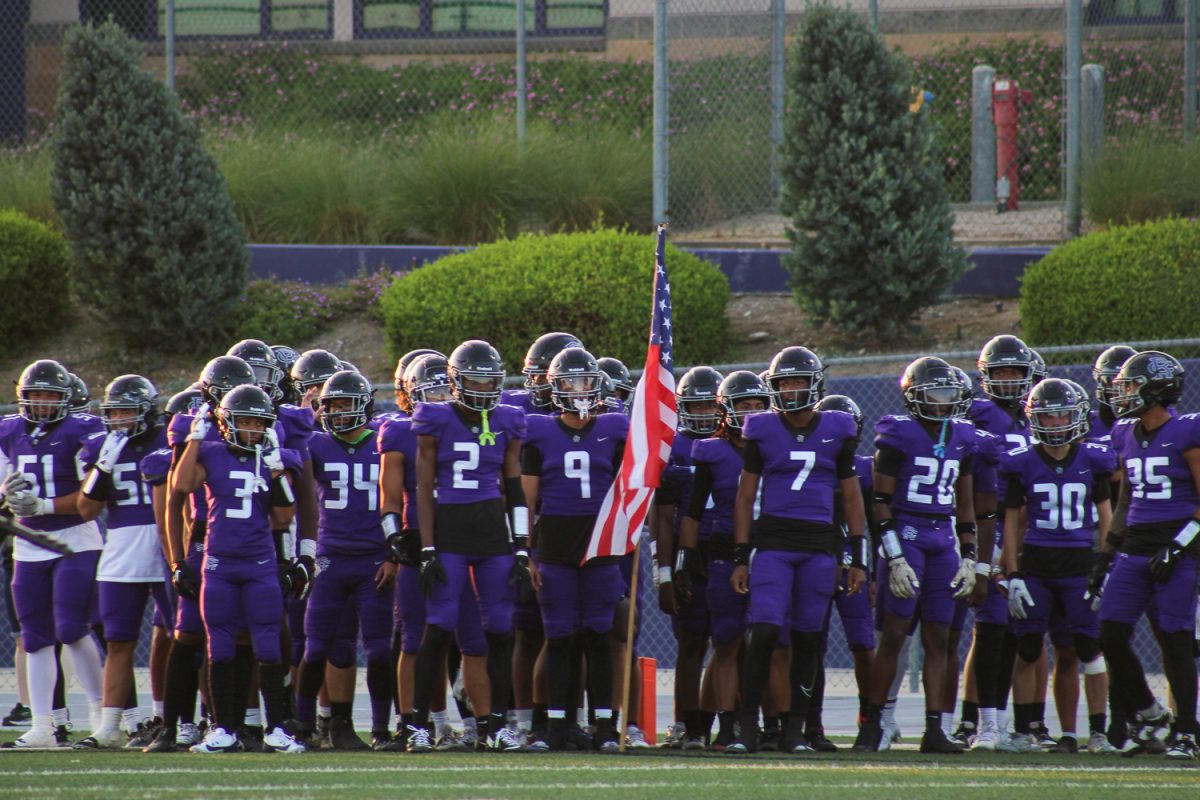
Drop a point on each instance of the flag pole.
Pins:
(630, 638)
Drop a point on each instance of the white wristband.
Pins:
(45, 506)
(983, 568)
(307, 547)
(520, 522)
(664, 575)
(891, 545)
(1187, 533)
(653, 548)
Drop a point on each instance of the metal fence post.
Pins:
(1073, 61)
(659, 169)
(873, 14)
(1093, 113)
(169, 44)
(521, 90)
(778, 78)
(983, 136)
(1189, 69)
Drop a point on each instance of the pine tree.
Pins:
(870, 222)
(158, 250)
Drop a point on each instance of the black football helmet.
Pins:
(1150, 378)
(619, 373)
(840, 402)
(312, 369)
(1006, 351)
(347, 365)
(698, 387)
(576, 382)
(1087, 407)
(738, 386)
(81, 396)
(349, 385)
(186, 402)
(476, 375)
(796, 362)
(1057, 412)
(1039, 371)
(1108, 365)
(286, 356)
(45, 375)
(240, 402)
(968, 391)
(222, 374)
(537, 362)
(399, 384)
(426, 380)
(931, 389)
(267, 372)
(130, 392)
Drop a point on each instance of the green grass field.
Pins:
(902, 774)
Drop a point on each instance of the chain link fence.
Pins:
(369, 74)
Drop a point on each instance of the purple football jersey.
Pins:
(577, 466)
(678, 475)
(1098, 430)
(130, 502)
(239, 504)
(347, 478)
(799, 474)
(295, 426)
(988, 450)
(156, 466)
(52, 460)
(925, 483)
(1160, 483)
(1059, 509)
(396, 436)
(468, 471)
(521, 399)
(725, 463)
(1013, 431)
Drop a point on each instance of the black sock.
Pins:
(270, 686)
(483, 728)
(933, 721)
(558, 674)
(725, 721)
(806, 661)
(1039, 714)
(179, 693)
(863, 705)
(380, 681)
(970, 715)
(1022, 717)
(770, 723)
(499, 669)
(694, 720)
(1179, 651)
(874, 712)
(243, 676)
(539, 715)
(430, 657)
(1097, 722)
(706, 723)
(763, 638)
(222, 686)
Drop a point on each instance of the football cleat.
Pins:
(383, 742)
(821, 743)
(936, 741)
(99, 740)
(62, 735)
(964, 734)
(606, 737)
(693, 744)
(985, 740)
(1017, 743)
(167, 741)
(870, 738)
(419, 739)
(745, 742)
(1098, 745)
(250, 737)
(536, 742)
(635, 738)
(675, 736)
(19, 717)
(280, 741)
(34, 739)
(188, 734)
(450, 742)
(579, 738)
(1068, 745)
(1184, 748)
(147, 731)
(217, 740)
(505, 741)
(799, 744)
(1041, 736)
(768, 741)
(342, 735)
(724, 738)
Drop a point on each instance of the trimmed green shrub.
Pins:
(1123, 284)
(596, 285)
(158, 249)
(1141, 180)
(295, 311)
(34, 278)
(870, 223)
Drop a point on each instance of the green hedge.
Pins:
(596, 285)
(1123, 284)
(34, 265)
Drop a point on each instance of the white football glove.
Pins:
(964, 579)
(15, 482)
(110, 451)
(200, 423)
(902, 580)
(272, 456)
(1018, 597)
(25, 503)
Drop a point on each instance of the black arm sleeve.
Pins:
(1014, 493)
(752, 457)
(845, 460)
(514, 493)
(668, 494)
(531, 460)
(618, 457)
(1102, 487)
(888, 460)
(701, 488)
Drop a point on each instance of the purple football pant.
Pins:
(933, 555)
(296, 608)
(994, 610)
(527, 616)
(54, 598)
(123, 604)
(1060, 629)
(187, 609)
(726, 608)
(238, 595)
(855, 613)
(575, 598)
(489, 576)
(410, 616)
(957, 622)
(791, 585)
(347, 580)
(1058, 593)
(1131, 590)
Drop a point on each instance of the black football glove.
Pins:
(1164, 561)
(285, 577)
(184, 581)
(688, 567)
(520, 578)
(1097, 577)
(432, 571)
(301, 574)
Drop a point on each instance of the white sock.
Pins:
(1001, 719)
(130, 717)
(987, 716)
(524, 719)
(1070, 734)
(324, 711)
(440, 720)
(888, 716)
(469, 725)
(156, 708)
(603, 713)
(42, 675)
(43, 722)
(948, 724)
(254, 717)
(110, 722)
(85, 658)
(22, 676)
(61, 716)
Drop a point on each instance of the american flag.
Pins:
(651, 432)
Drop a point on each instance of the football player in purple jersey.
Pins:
(704, 560)
(699, 417)
(1061, 487)
(1103, 416)
(924, 500)
(534, 397)
(622, 382)
(790, 564)
(404, 402)
(131, 569)
(248, 487)
(468, 451)
(1150, 557)
(353, 554)
(569, 461)
(39, 451)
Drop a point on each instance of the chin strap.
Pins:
(486, 437)
(939, 449)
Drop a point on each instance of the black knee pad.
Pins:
(763, 636)
(1114, 635)
(1029, 647)
(806, 642)
(1178, 645)
(558, 645)
(1087, 647)
(436, 636)
(499, 642)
